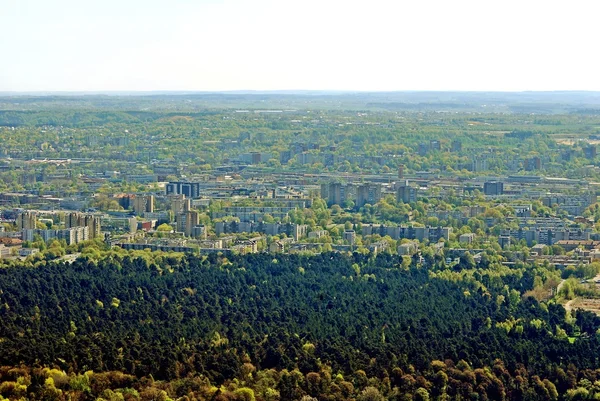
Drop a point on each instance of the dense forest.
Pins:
(329, 326)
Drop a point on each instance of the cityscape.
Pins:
(228, 200)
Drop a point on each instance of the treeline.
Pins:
(222, 319)
(442, 380)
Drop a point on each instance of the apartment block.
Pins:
(143, 204)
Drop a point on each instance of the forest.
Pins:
(331, 326)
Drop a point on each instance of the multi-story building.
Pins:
(188, 220)
(291, 230)
(432, 234)
(547, 236)
(336, 193)
(473, 211)
(26, 220)
(71, 236)
(189, 189)
(572, 204)
(446, 214)
(406, 193)
(349, 236)
(248, 213)
(504, 241)
(92, 222)
(180, 204)
(199, 231)
(143, 204)
(493, 188)
(435, 146)
(467, 238)
(368, 193)
(120, 224)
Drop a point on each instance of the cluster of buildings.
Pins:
(78, 227)
(361, 194)
(260, 205)
(545, 236)
(295, 231)
(431, 234)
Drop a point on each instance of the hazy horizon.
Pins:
(216, 46)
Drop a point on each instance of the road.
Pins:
(70, 258)
(569, 305)
(559, 286)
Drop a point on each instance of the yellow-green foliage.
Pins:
(510, 324)
(270, 394)
(244, 394)
(309, 348)
(110, 395)
(12, 389)
(218, 341)
(55, 378)
(80, 383)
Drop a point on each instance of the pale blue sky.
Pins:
(131, 45)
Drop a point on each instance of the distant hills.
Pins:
(551, 102)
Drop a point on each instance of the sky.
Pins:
(373, 45)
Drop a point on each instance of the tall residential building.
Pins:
(92, 222)
(368, 193)
(192, 219)
(406, 193)
(180, 204)
(143, 204)
(336, 193)
(26, 221)
(72, 219)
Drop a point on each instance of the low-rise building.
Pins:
(24, 252)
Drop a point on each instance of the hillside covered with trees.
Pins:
(330, 326)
